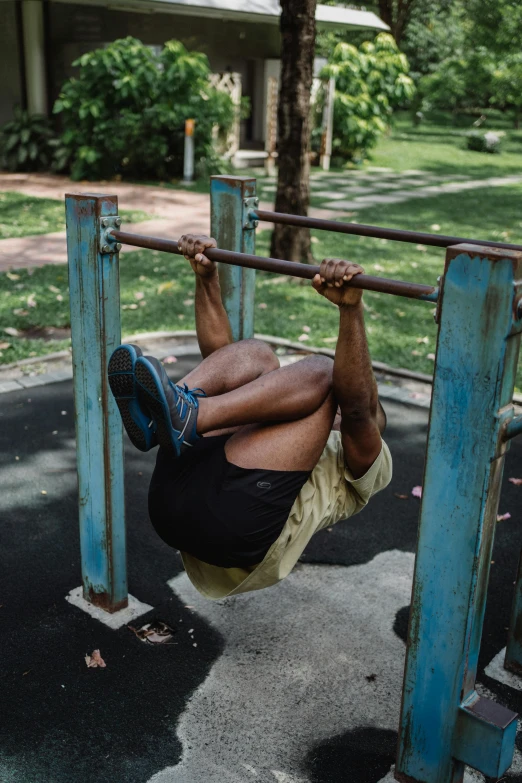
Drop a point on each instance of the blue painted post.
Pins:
(231, 199)
(444, 723)
(96, 331)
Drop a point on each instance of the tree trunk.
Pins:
(396, 14)
(293, 116)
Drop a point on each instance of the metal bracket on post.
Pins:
(106, 243)
(95, 333)
(444, 723)
(233, 224)
(250, 220)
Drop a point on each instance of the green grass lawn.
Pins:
(22, 215)
(439, 147)
(157, 289)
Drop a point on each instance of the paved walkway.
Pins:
(183, 211)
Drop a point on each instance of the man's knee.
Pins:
(322, 368)
(262, 354)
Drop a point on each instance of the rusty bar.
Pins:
(307, 271)
(396, 234)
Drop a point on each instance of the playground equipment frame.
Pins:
(444, 724)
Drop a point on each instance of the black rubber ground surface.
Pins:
(61, 724)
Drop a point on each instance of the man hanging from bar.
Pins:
(254, 458)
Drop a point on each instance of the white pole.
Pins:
(328, 117)
(188, 160)
(271, 125)
(34, 56)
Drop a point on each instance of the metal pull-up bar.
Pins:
(383, 285)
(398, 235)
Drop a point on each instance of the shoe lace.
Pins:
(187, 398)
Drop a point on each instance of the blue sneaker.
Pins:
(174, 408)
(137, 421)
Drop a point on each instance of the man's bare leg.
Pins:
(286, 394)
(232, 366)
(291, 445)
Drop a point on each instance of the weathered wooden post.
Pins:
(444, 723)
(231, 201)
(96, 332)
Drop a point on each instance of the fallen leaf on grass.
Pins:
(292, 317)
(138, 295)
(165, 286)
(516, 481)
(188, 302)
(303, 337)
(12, 331)
(262, 305)
(95, 661)
(329, 339)
(129, 307)
(31, 300)
(59, 298)
(20, 311)
(401, 497)
(306, 329)
(417, 492)
(416, 353)
(169, 360)
(4, 346)
(422, 248)
(12, 276)
(435, 227)
(424, 340)
(431, 356)
(378, 268)
(54, 289)
(503, 517)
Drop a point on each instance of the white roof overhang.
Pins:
(327, 16)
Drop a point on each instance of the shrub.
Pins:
(26, 143)
(124, 113)
(481, 141)
(370, 81)
(460, 82)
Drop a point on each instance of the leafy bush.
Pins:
(124, 114)
(507, 82)
(460, 82)
(26, 143)
(484, 142)
(370, 81)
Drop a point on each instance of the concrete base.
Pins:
(115, 620)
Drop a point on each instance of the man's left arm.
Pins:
(353, 381)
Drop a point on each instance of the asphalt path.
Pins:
(296, 684)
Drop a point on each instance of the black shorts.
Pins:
(218, 512)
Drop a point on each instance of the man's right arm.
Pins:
(354, 384)
(212, 324)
